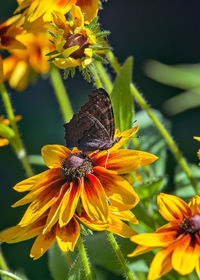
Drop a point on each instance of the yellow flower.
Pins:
(5, 132)
(9, 29)
(18, 66)
(76, 43)
(35, 9)
(198, 153)
(179, 238)
(76, 189)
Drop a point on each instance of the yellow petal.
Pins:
(119, 191)
(3, 142)
(89, 8)
(140, 250)
(161, 264)
(123, 161)
(125, 136)
(155, 239)
(1, 69)
(197, 138)
(98, 226)
(198, 268)
(42, 244)
(194, 204)
(77, 15)
(68, 235)
(185, 255)
(123, 215)
(64, 63)
(69, 51)
(69, 202)
(120, 228)
(54, 155)
(94, 199)
(172, 207)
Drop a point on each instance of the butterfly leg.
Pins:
(108, 153)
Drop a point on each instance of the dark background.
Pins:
(168, 31)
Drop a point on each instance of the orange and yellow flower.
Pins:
(75, 42)
(180, 237)
(9, 29)
(35, 9)
(78, 189)
(5, 132)
(198, 153)
(17, 67)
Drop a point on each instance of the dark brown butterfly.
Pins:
(93, 127)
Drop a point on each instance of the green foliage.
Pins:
(6, 132)
(121, 97)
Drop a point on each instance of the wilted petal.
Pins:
(172, 207)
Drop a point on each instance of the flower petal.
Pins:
(92, 224)
(42, 244)
(155, 239)
(94, 199)
(120, 228)
(185, 255)
(54, 155)
(123, 215)
(140, 250)
(69, 202)
(198, 268)
(3, 142)
(172, 207)
(194, 204)
(89, 8)
(119, 191)
(123, 161)
(68, 235)
(161, 264)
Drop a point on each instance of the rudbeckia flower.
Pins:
(9, 29)
(198, 153)
(35, 9)
(179, 238)
(17, 67)
(76, 43)
(78, 189)
(5, 131)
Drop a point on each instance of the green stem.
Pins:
(61, 94)
(16, 141)
(9, 275)
(168, 138)
(3, 265)
(104, 76)
(84, 260)
(120, 256)
(96, 77)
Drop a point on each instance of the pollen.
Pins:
(77, 166)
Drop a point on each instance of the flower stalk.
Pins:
(61, 94)
(168, 138)
(104, 76)
(120, 256)
(16, 141)
(84, 259)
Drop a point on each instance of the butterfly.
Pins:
(93, 127)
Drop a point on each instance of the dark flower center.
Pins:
(192, 226)
(77, 40)
(76, 166)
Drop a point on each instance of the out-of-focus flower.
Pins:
(77, 187)
(76, 44)
(198, 153)
(34, 9)
(180, 237)
(5, 131)
(9, 29)
(17, 67)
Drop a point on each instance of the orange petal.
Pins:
(194, 204)
(92, 224)
(120, 228)
(77, 15)
(124, 161)
(36, 181)
(172, 207)
(3, 142)
(161, 264)
(54, 155)
(68, 235)
(198, 268)
(119, 191)
(69, 202)
(42, 244)
(123, 215)
(89, 8)
(94, 199)
(125, 136)
(155, 239)
(140, 250)
(185, 255)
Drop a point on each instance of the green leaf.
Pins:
(139, 265)
(57, 263)
(151, 141)
(121, 97)
(182, 183)
(75, 270)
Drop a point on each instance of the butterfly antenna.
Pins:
(108, 153)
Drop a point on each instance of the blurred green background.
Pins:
(167, 31)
